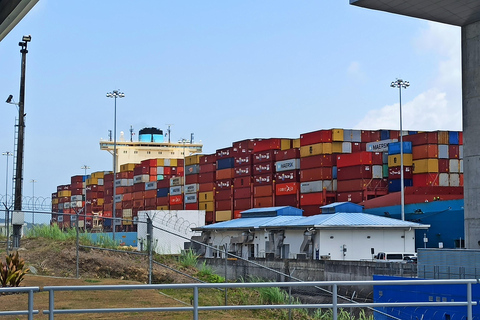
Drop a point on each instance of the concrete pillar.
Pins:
(471, 132)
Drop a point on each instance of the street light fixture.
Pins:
(399, 83)
(114, 94)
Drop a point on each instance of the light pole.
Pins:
(33, 193)
(85, 167)
(399, 83)
(114, 94)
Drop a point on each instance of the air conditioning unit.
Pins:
(325, 257)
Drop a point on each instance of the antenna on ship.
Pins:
(109, 135)
(131, 133)
(168, 130)
(191, 138)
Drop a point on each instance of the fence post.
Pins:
(226, 261)
(195, 303)
(30, 305)
(334, 302)
(50, 304)
(149, 243)
(469, 299)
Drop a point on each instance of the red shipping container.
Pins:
(425, 151)
(127, 196)
(150, 193)
(453, 151)
(149, 163)
(191, 178)
(264, 156)
(162, 201)
(223, 184)
(267, 144)
(286, 200)
(262, 179)
(149, 202)
(139, 170)
(309, 199)
(207, 167)
(107, 214)
(354, 172)
(325, 160)
(163, 183)
(263, 202)
(242, 182)
(139, 203)
(167, 170)
(77, 192)
(358, 147)
(237, 214)
(263, 191)
(225, 152)
(310, 210)
(242, 171)
(76, 179)
(242, 204)
(315, 137)
(244, 144)
(460, 138)
(422, 138)
(191, 206)
(208, 217)
(243, 160)
(425, 179)
(63, 187)
(262, 168)
(287, 176)
(242, 193)
(127, 204)
(223, 194)
(153, 171)
(461, 179)
(206, 177)
(355, 185)
(371, 136)
(76, 185)
(139, 186)
(287, 154)
(322, 173)
(208, 158)
(205, 187)
(176, 207)
(290, 188)
(224, 174)
(395, 134)
(443, 165)
(355, 197)
(395, 173)
(174, 200)
(354, 159)
(223, 205)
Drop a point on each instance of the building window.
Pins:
(159, 152)
(148, 152)
(135, 152)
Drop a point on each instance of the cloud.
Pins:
(354, 71)
(438, 107)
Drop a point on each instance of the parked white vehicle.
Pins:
(396, 257)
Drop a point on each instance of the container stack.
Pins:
(264, 154)
(206, 186)
(224, 183)
(394, 166)
(287, 176)
(192, 171)
(242, 177)
(63, 197)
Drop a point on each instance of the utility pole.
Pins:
(18, 215)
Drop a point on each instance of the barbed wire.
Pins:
(30, 203)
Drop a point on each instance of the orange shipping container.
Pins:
(138, 195)
(224, 174)
(309, 199)
(263, 202)
(263, 191)
(150, 194)
(425, 151)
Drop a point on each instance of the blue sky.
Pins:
(223, 70)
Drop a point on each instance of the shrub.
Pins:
(13, 271)
(188, 258)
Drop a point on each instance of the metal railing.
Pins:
(30, 290)
(195, 308)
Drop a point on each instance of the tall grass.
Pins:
(55, 233)
(188, 258)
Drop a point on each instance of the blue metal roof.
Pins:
(272, 211)
(343, 220)
(341, 207)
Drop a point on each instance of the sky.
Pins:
(223, 70)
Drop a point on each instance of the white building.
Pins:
(282, 232)
(171, 229)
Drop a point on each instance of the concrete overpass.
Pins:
(466, 15)
(11, 12)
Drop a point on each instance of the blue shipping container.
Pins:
(384, 134)
(334, 172)
(226, 163)
(394, 185)
(162, 192)
(394, 147)
(453, 137)
(412, 132)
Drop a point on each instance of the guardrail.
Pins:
(195, 308)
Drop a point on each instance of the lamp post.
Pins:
(114, 94)
(33, 199)
(399, 83)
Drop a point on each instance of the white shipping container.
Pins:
(328, 185)
(166, 162)
(380, 146)
(122, 182)
(312, 186)
(460, 152)
(160, 170)
(100, 182)
(287, 165)
(127, 213)
(461, 166)
(347, 135)
(443, 151)
(60, 206)
(443, 179)
(377, 172)
(356, 136)
(346, 147)
(152, 185)
(176, 181)
(66, 205)
(191, 198)
(76, 204)
(118, 198)
(141, 178)
(60, 218)
(175, 191)
(454, 166)
(454, 180)
(191, 188)
(77, 197)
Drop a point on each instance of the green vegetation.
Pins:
(188, 258)
(207, 274)
(13, 271)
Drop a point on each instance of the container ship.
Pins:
(317, 168)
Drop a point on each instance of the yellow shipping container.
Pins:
(337, 147)
(64, 193)
(425, 166)
(91, 181)
(55, 201)
(337, 134)
(98, 174)
(195, 159)
(207, 206)
(394, 160)
(165, 208)
(327, 148)
(443, 137)
(285, 144)
(126, 222)
(205, 196)
(127, 167)
(100, 201)
(296, 144)
(311, 150)
(160, 162)
(223, 215)
(173, 162)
